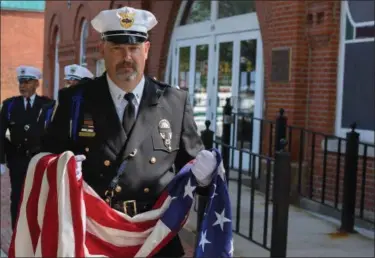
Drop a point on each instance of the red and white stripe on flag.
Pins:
(61, 216)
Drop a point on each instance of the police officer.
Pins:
(124, 115)
(19, 115)
(74, 74)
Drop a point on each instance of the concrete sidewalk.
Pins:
(6, 225)
(3, 254)
(309, 235)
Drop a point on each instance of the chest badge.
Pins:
(165, 132)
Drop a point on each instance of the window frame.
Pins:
(212, 27)
(83, 43)
(56, 72)
(365, 135)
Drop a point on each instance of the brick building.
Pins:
(22, 37)
(306, 57)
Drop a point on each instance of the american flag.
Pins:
(62, 216)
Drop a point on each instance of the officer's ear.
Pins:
(146, 48)
(36, 83)
(101, 48)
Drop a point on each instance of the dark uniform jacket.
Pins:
(48, 110)
(102, 139)
(25, 134)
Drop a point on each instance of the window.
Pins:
(56, 82)
(198, 11)
(356, 91)
(206, 10)
(228, 8)
(83, 40)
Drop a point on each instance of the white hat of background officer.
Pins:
(126, 25)
(76, 72)
(28, 73)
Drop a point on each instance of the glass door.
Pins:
(238, 77)
(192, 63)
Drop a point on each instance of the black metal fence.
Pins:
(334, 171)
(255, 216)
(323, 165)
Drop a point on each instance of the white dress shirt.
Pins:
(118, 94)
(32, 98)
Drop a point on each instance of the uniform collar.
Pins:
(118, 94)
(32, 98)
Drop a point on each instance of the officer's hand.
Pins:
(79, 160)
(203, 167)
(2, 169)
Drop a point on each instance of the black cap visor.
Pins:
(125, 37)
(26, 79)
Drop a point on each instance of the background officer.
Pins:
(19, 115)
(74, 74)
(125, 116)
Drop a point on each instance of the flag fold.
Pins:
(62, 216)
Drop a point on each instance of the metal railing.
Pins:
(333, 171)
(265, 225)
(319, 160)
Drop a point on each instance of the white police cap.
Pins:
(76, 72)
(125, 25)
(28, 73)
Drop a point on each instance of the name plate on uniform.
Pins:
(87, 134)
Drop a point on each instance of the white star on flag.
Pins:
(189, 190)
(213, 196)
(204, 240)
(221, 219)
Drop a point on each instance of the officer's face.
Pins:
(125, 62)
(69, 83)
(28, 87)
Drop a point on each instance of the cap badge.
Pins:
(23, 71)
(72, 70)
(126, 19)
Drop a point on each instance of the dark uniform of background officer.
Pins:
(19, 115)
(125, 115)
(74, 74)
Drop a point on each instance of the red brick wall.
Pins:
(309, 28)
(21, 44)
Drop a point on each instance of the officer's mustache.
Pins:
(125, 65)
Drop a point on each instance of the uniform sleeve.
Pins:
(57, 136)
(3, 128)
(191, 142)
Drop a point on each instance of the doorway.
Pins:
(215, 68)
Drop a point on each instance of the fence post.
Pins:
(280, 133)
(225, 138)
(350, 181)
(281, 200)
(207, 136)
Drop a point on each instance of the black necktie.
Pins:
(28, 104)
(129, 113)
